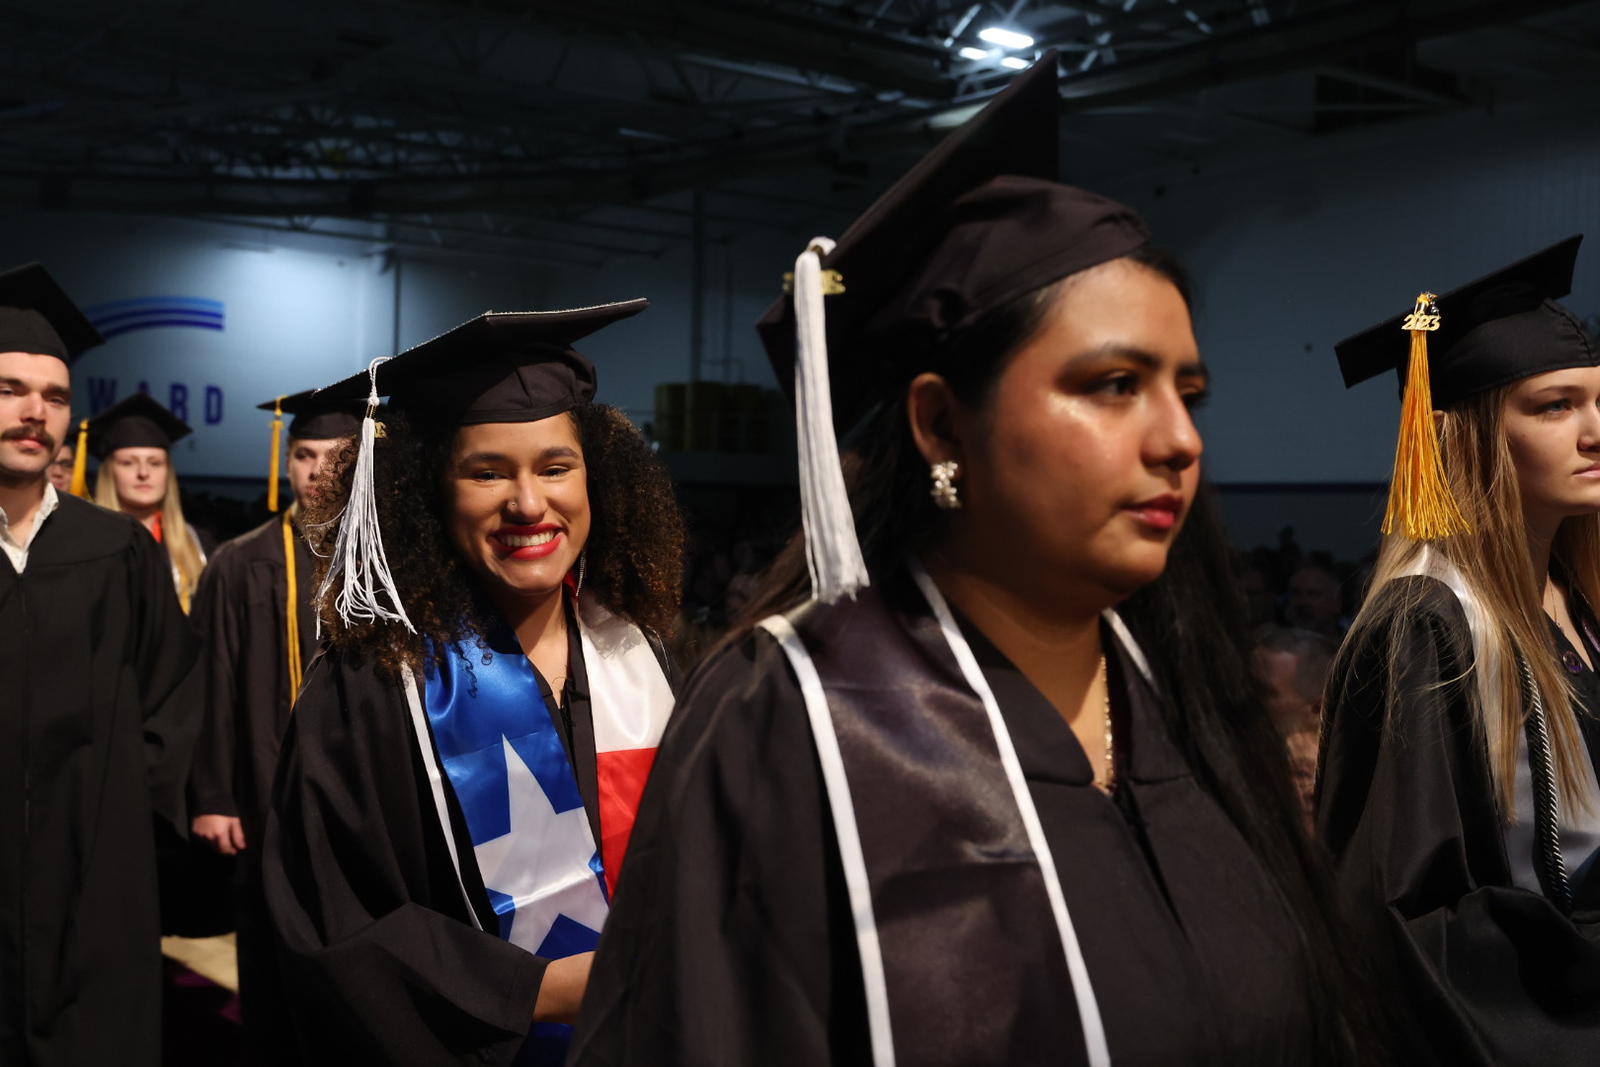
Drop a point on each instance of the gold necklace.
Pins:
(1109, 782)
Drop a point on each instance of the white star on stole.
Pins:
(542, 864)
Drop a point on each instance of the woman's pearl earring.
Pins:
(944, 490)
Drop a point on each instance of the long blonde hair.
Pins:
(1493, 562)
(179, 540)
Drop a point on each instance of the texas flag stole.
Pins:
(631, 701)
(497, 745)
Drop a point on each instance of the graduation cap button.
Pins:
(832, 281)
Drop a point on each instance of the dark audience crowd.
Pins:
(1299, 604)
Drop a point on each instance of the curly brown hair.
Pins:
(634, 552)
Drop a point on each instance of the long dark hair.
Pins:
(1189, 622)
(634, 552)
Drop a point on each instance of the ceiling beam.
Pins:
(744, 31)
(1289, 45)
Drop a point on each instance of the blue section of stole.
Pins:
(473, 707)
(475, 710)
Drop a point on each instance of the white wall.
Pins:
(303, 311)
(633, 356)
(293, 318)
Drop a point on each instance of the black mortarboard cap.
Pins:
(37, 316)
(514, 366)
(1493, 331)
(318, 418)
(980, 221)
(136, 422)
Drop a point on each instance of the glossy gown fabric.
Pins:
(98, 719)
(241, 609)
(731, 940)
(946, 854)
(380, 956)
(1492, 973)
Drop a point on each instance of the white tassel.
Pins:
(358, 550)
(832, 552)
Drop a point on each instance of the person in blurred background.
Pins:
(1292, 666)
(1260, 598)
(253, 609)
(1314, 602)
(99, 710)
(1457, 791)
(133, 440)
(60, 470)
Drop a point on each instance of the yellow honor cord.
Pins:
(1421, 505)
(277, 437)
(292, 604)
(80, 462)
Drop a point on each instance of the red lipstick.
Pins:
(526, 542)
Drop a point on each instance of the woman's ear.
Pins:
(932, 410)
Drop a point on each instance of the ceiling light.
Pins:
(973, 53)
(1013, 63)
(1005, 38)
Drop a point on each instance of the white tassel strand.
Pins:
(358, 555)
(833, 553)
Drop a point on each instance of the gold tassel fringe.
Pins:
(277, 463)
(292, 638)
(1421, 505)
(80, 462)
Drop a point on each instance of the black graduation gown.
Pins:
(241, 609)
(100, 714)
(379, 955)
(731, 942)
(1492, 973)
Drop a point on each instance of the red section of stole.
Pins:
(621, 776)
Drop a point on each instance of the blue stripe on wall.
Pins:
(117, 317)
(190, 302)
(102, 321)
(109, 332)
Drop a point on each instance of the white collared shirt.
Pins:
(18, 551)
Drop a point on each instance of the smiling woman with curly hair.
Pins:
(633, 560)
(460, 778)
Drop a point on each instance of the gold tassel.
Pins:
(1421, 505)
(292, 638)
(277, 466)
(80, 463)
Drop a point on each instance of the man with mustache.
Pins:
(99, 714)
(254, 656)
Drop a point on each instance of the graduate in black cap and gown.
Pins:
(943, 805)
(1457, 787)
(133, 441)
(100, 711)
(253, 609)
(459, 779)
